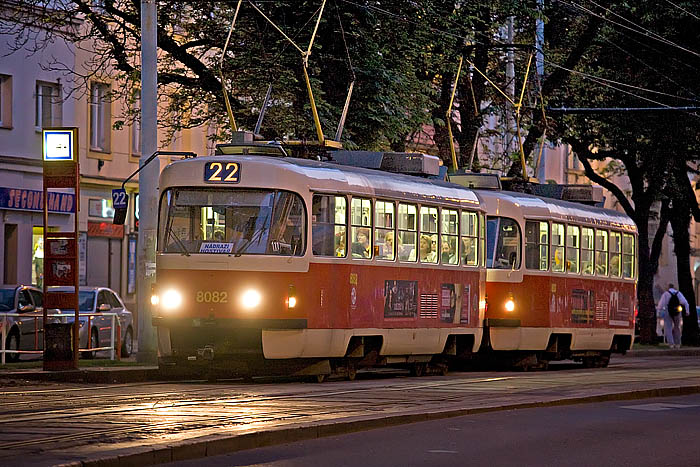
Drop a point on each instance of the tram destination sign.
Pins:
(222, 172)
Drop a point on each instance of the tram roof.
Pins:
(325, 177)
(533, 206)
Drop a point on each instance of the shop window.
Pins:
(361, 227)
(329, 225)
(38, 256)
(537, 245)
(407, 225)
(384, 230)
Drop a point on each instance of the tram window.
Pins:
(557, 247)
(329, 225)
(537, 245)
(428, 234)
(449, 252)
(628, 256)
(482, 239)
(384, 230)
(408, 233)
(573, 243)
(503, 245)
(361, 227)
(601, 252)
(470, 231)
(266, 222)
(615, 254)
(587, 251)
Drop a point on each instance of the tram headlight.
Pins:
(155, 300)
(292, 297)
(510, 304)
(250, 299)
(171, 300)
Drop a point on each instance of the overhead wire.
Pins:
(682, 9)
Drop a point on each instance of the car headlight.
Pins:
(250, 299)
(171, 299)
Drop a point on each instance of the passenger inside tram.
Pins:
(361, 247)
(427, 253)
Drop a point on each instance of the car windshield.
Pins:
(87, 300)
(7, 299)
(257, 222)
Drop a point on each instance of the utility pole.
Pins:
(148, 182)
(510, 90)
(539, 69)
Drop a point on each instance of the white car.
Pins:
(94, 301)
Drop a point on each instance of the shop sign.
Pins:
(33, 200)
(105, 229)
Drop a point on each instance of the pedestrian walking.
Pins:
(671, 306)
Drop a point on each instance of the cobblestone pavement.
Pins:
(140, 423)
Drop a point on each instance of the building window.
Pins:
(48, 108)
(99, 117)
(5, 101)
(136, 126)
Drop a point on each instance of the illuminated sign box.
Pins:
(59, 144)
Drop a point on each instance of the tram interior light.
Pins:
(171, 299)
(250, 299)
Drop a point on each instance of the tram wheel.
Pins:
(351, 373)
(418, 369)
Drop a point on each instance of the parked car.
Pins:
(25, 332)
(93, 302)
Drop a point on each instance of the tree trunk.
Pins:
(680, 223)
(645, 285)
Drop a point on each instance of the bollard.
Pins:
(3, 331)
(111, 331)
(89, 332)
(119, 341)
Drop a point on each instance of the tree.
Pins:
(640, 65)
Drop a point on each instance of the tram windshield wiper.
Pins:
(256, 236)
(182, 246)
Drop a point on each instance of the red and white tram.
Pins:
(560, 281)
(277, 264)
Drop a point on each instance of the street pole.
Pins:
(148, 182)
(539, 67)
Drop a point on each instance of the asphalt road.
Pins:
(47, 423)
(651, 432)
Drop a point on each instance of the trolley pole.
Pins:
(148, 182)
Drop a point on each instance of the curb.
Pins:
(97, 375)
(229, 444)
(687, 352)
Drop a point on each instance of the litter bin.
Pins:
(59, 343)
